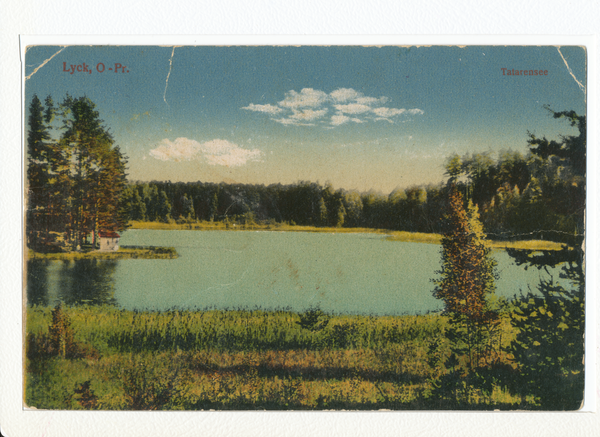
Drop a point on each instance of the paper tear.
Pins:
(167, 82)
(45, 62)
(570, 71)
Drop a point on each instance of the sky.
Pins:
(363, 118)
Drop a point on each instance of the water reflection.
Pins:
(37, 282)
(77, 282)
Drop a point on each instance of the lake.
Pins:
(341, 273)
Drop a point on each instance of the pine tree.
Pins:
(38, 173)
(323, 215)
(96, 171)
(74, 182)
(187, 208)
(341, 214)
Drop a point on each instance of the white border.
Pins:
(14, 421)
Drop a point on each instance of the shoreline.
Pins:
(152, 252)
(124, 252)
(403, 236)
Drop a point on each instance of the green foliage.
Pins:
(313, 319)
(454, 167)
(85, 396)
(75, 180)
(110, 330)
(549, 346)
(147, 386)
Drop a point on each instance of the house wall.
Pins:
(109, 244)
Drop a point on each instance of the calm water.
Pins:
(343, 273)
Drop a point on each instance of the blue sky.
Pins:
(358, 117)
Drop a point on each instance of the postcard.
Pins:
(304, 227)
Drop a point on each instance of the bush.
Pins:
(148, 386)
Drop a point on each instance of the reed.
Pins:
(237, 359)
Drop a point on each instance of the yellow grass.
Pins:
(220, 226)
(527, 244)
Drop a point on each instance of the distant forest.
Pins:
(77, 186)
(537, 195)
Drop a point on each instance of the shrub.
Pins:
(148, 386)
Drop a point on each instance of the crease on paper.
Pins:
(168, 74)
(45, 62)
(570, 71)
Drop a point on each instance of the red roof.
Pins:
(108, 234)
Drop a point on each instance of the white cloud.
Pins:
(371, 100)
(353, 108)
(304, 107)
(305, 98)
(271, 109)
(215, 152)
(338, 119)
(384, 119)
(344, 95)
(291, 121)
(301, 117)
(387, 112)
(308, 114)
(181, 149)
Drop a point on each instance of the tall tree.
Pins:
(38, 172)
(96, 170)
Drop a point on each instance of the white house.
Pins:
(109, 241)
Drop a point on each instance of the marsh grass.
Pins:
(216, 359)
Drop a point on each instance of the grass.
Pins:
(124, 252)
(213, 359)
(412, 237)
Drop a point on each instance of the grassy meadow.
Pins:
(88, 357)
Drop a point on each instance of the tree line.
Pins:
(75, 175)
(77, 186)
(539, 194)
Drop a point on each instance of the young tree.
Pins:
(467, 275)
(465, 285)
